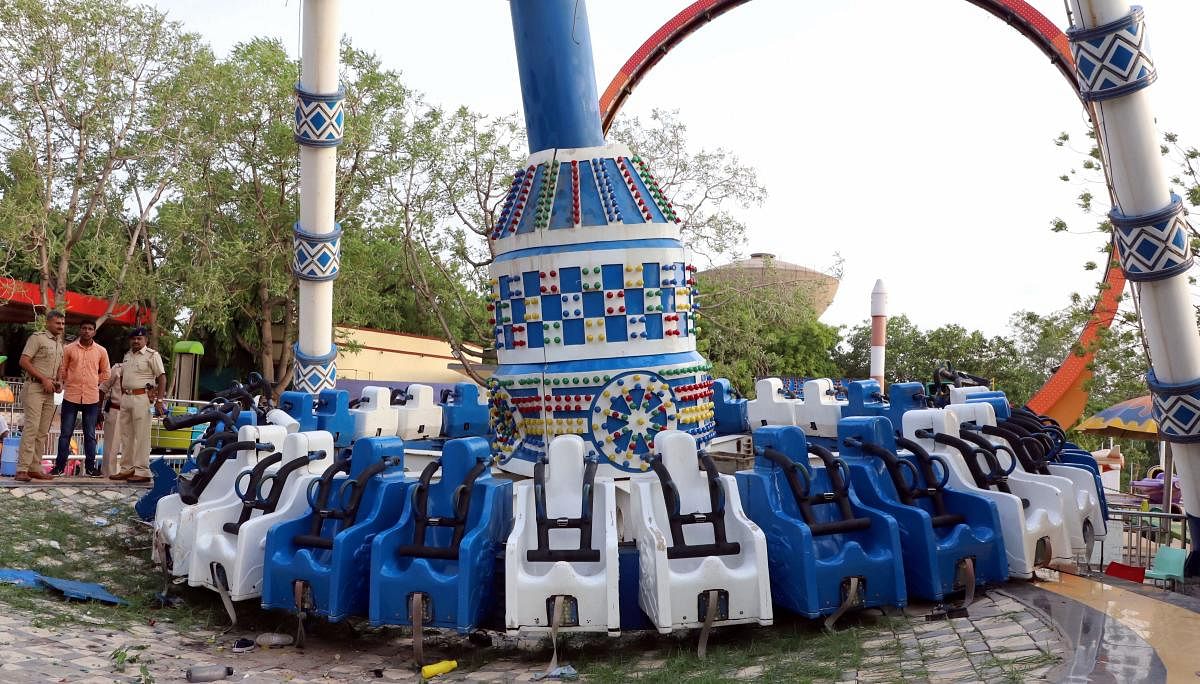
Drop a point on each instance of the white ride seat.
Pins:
(231, 558)
(818, 416)
(694, 542)
(770, 407)
(175, 521)
(1023, 527)
(567, 548)
(1081, 508)
(420, 416)
(375, 416)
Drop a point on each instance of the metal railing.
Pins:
(1143, 532)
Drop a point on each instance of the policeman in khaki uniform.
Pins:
(143, 380)
(42, 360)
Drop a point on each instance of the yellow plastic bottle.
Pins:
(439, 668)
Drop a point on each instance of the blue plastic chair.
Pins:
(462, 414)
(941, 530)
(819, 534)
(328, 551)
(444, 546)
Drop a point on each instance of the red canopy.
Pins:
(17, 302)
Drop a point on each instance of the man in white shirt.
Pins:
(3, 429)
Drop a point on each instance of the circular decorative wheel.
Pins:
(627, 414)
(507, 425)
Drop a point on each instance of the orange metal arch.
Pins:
(1064, 395)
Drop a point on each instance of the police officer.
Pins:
(143, 380)
(42, 360)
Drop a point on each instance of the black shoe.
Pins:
(94, 472)
(56, 471)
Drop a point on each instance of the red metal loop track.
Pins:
(1064, 395)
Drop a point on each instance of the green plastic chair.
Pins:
(1168, 566)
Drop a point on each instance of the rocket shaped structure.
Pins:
(879, 316)
(593, 300)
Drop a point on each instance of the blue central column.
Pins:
(558, 79)
(592, 295)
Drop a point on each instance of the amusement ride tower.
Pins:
(593, 299)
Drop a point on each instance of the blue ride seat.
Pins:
(321, 563)
(444, 546)
(950, 539)
(333, 416)
(819, 534)
(463, 414)
(299, 405)
(730, 409)
(865, 398)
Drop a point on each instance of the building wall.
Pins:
(393, 356)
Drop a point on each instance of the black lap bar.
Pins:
(343, 517)
(942, 517)
(190, 488)
(252, 502)
(320, 507)
(543, 553)
(462, 506)
(840, 495)
(721, 546)
(994, 477)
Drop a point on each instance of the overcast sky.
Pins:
(915, 139)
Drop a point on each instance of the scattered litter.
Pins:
(562, 673)
(243, 646)
(208, 673)
(438, 668)
(80, 591)
(165, 600)
(273, 639)
(48, 542)
(100, 522)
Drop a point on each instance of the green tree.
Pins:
(98, 110)
(704, 185)
(758, 329)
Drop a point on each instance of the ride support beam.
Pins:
(1115, 71)
(317, 239)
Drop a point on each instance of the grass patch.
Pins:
(793, 650)
(66, 542)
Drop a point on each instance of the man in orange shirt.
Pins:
(84, 367)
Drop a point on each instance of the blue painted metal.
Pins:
(165, 483)
(338, 576)
(458, 590)
(807, 571)
(462, 414)
(558, 78)
(931, 552)
(299, 405)
(865, 398)
(81, 591)
(730, 409)
(333, 416)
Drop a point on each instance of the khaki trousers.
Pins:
(135, 434)
(112, 442)
(39, 411)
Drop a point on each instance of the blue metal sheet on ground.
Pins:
(21, 578)
(81, 591)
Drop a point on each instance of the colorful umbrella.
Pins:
(1133, 419)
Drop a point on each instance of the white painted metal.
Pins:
(1129, 141)
(1022, 527)
(242, 555)
(318, 168)
(421, 416)
(669, 589)
(593, 585)
(175, 522)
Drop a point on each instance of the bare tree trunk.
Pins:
(266, 334)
